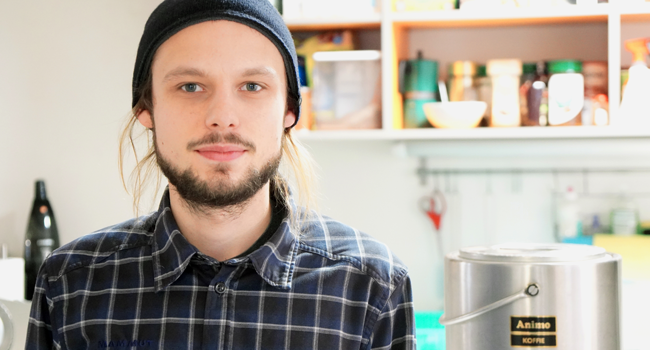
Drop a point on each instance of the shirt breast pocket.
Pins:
(109, 334)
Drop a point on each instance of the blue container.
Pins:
(589, 240)
(430, 334)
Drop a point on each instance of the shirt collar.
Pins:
(172, 253)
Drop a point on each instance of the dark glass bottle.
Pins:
(41, 239)
(537, 97)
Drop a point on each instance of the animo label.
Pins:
(532, 324)
(533, 331)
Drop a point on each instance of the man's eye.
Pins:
(252, 87)
(191, 87)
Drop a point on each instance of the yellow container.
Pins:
(423, 5)
(633, 249)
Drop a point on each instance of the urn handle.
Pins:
(531, 290)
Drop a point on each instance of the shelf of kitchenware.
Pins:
(392, 23)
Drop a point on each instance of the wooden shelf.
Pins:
(503, 17)
(314, 24)
(522, 133)
(606, 146)
(395, 35)
(635, 12)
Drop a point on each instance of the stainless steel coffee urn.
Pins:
(561, 296)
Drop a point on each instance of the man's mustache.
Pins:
(214, 138)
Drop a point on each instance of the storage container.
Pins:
(505, 75)
(347, 89)
(566, 88)
(560, 296)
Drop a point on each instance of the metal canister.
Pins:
(419, 83)
(560, 296)
(462, 85)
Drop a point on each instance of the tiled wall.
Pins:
(366, 186)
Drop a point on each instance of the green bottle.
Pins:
(41, 239)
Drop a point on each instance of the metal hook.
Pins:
(488, 183)
(447, 182)
(422, 171)
(515, 181)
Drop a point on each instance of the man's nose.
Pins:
(221, 111)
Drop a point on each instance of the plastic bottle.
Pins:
(566, 88)
(595, 228)
(595, 73)
(635, 104)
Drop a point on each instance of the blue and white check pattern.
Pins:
(140, 284)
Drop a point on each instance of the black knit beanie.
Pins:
(171, 16)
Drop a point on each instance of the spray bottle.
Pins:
(635, 105)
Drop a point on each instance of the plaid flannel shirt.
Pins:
(142, 285)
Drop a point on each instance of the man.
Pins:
(228, 261)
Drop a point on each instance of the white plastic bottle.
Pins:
(566, 92)
(635, 104)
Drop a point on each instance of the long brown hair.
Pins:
(296, 161)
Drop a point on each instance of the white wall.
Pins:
(65, 73)
(366, 185)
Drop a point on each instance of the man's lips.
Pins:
(221, 153)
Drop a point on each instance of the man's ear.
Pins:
(289, 119)
(144, 117)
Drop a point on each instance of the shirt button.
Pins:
(220, 288)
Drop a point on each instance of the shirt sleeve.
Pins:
(395, 326)
(39, 330)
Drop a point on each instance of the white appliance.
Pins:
(14, 310)
(14, 317)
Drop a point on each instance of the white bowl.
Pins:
(455, 115)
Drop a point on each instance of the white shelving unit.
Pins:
(528, 143)
(527, 133)
(634, 9)
(506, 16)
(394, 28)
(369, 21)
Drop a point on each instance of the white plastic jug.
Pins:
(14, 318)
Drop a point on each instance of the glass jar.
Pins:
(505, 75)
(484, 89)
(461, 81)
(595, 74)
(537, 98)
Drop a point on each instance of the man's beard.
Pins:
(216, 193)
